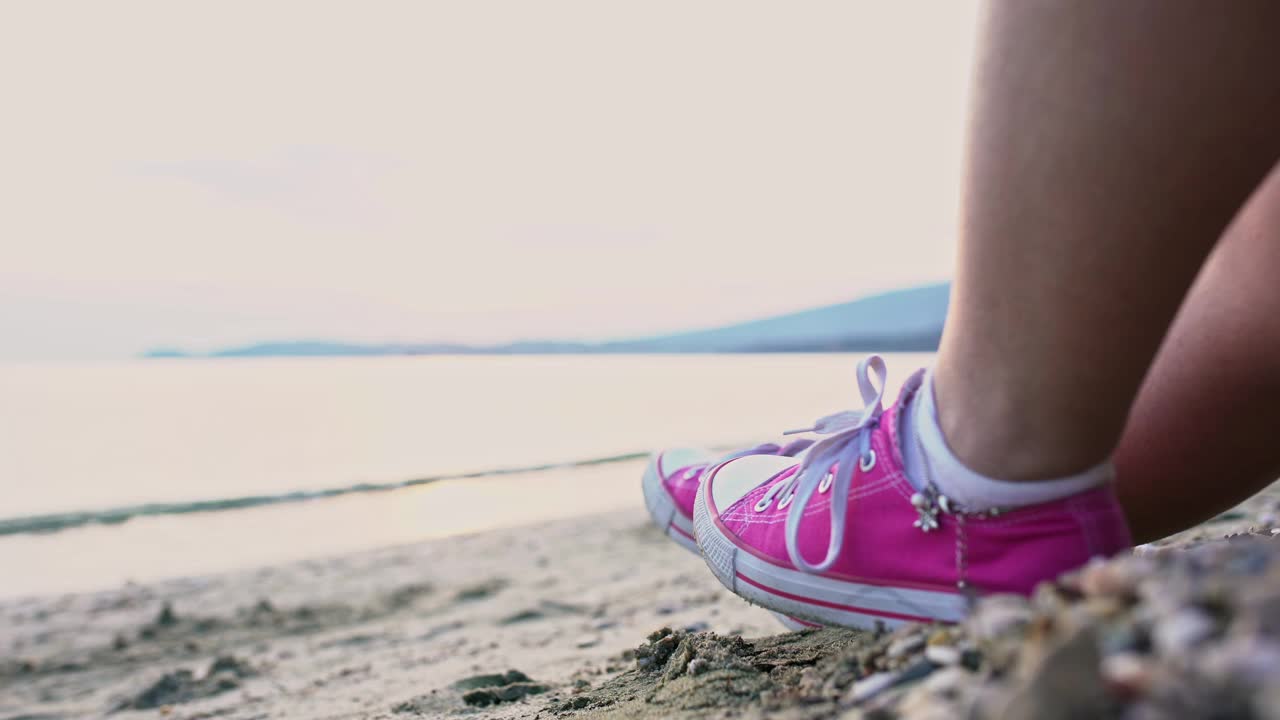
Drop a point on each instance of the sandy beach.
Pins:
(597, 616)
(359, 635)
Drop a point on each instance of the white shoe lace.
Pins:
(848, 448)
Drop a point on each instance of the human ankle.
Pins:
(995, 434)
(929, 461)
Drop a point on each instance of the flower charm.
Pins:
(928, 520)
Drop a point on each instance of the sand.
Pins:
(598, 616)
(359, 635)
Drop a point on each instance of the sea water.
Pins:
(148, 469)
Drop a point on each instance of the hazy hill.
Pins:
(908, 319)
(901, 320)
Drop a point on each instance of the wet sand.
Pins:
(601, 616)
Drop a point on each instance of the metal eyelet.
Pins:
(763, 504)
(786, 500)
(865, 464)
(825, 485)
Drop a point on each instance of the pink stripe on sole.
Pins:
(834, 606)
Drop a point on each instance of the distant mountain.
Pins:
(902, 320)
(907, 320)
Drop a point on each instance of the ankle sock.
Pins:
(926, 456)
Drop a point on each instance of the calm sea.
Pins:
(150, 469)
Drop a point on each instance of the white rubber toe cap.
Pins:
(670, 460)
(739, 476)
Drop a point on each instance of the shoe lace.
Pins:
(791, 449)
(847, 446)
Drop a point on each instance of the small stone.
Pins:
(947, 681)
(1064, 683)
(942, 655)
(233, 665)
(1127, 674)
(491, 680)
(916, 671)
(870, 686)
(506, 693)
(587, 641)
(1182, 632)
(998, 615)
(905, 646)
(1050, 598)
(1102, 577)
(574, 703)
(943, 636)
(167, 616)
(1245, 659)
(936, 698)
(1122, 636)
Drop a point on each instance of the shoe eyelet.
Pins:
(825, 485)
(763, 504)
(786, 500)
(865, 464)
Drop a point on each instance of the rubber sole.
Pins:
(814, 598)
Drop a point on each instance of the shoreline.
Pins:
(152, 549)
(47, 523)
(433, 629)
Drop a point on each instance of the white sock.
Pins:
(927, 456)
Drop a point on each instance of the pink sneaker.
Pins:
(670, 486)
(842, 538)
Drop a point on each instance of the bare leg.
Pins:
(1205, 431)
(1112, 144)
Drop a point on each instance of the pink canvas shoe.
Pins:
(670, 486)
(842, 537)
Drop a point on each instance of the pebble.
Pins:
(947, 681)
(870, 686)
(942, 655)
(1185, 630)
(1187, 627)
(587, 641)
(997, 616)
(1127, 674)
(942, 636)
(1101, 578)
(937, 696)
(901, 647)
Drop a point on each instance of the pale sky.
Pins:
(210, 174)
